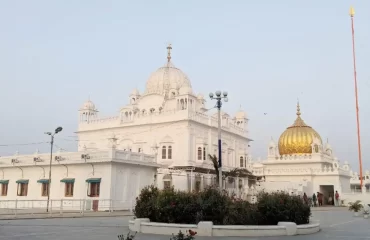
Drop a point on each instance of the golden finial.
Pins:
(352, 11)
(298, 109)
(169, 48)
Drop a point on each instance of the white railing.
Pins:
(63, 206)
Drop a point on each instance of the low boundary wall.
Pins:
(143, 225)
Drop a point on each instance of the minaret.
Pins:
(352, 14)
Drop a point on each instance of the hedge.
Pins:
(170, 206)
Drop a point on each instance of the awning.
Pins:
(4, 181)
(68, 180)
(43, 181)
(22, 181)
(93, 180)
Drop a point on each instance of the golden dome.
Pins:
(297, 139)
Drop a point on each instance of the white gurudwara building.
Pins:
(162, 136)
(171, 122)
(301, 163)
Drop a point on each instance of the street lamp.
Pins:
(218, 99)
(57, 130)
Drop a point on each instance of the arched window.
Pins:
(164, 152)
(316, 148)
(241, 162)
(199, 153)
(169, 155)
(204, 153)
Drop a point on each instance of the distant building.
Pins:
(300, 163)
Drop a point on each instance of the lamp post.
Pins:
(57, 130)
(218, 99)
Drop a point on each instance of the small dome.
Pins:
(328, 146)
(241, 114)
(297, 139)
(272, 143)
(200, 96)
(88, 105)
(135, 92)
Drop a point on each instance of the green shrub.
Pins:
(242, 213)
(176, 207)
(172, 206)
(281, 207)
(146, 203)
(213, 205)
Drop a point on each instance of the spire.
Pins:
(298, 109)
(352, 11)
(169, 48)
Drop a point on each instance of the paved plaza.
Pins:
(335, 225)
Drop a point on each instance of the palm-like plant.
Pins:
(356, 206)
(242, 172)
(215, 166)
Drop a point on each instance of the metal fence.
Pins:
(63, 206)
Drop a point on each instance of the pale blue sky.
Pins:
(54, 54)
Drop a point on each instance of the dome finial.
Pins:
(169, 48)
(298, 109)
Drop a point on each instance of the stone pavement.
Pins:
(336, 224)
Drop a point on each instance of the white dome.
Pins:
(241, 114)
(166, 78)
(135, 92)
(88, 105)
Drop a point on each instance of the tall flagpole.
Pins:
(352, 14)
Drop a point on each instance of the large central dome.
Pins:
(167, 78)
(298, 138)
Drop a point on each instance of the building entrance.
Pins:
(327, 191)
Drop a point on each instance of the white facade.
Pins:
(170, 121)
(119, 176)
(162, 136)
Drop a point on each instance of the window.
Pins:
(241, 162)
(44, 189)
(169, 152)
(164, 152)
(4, 189)
(166, 184)
(69, 189)
(94, 189)
(22, 189)
(204, 153)
(199, 153)
(139, 150)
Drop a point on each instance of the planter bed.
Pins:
(143, 225)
